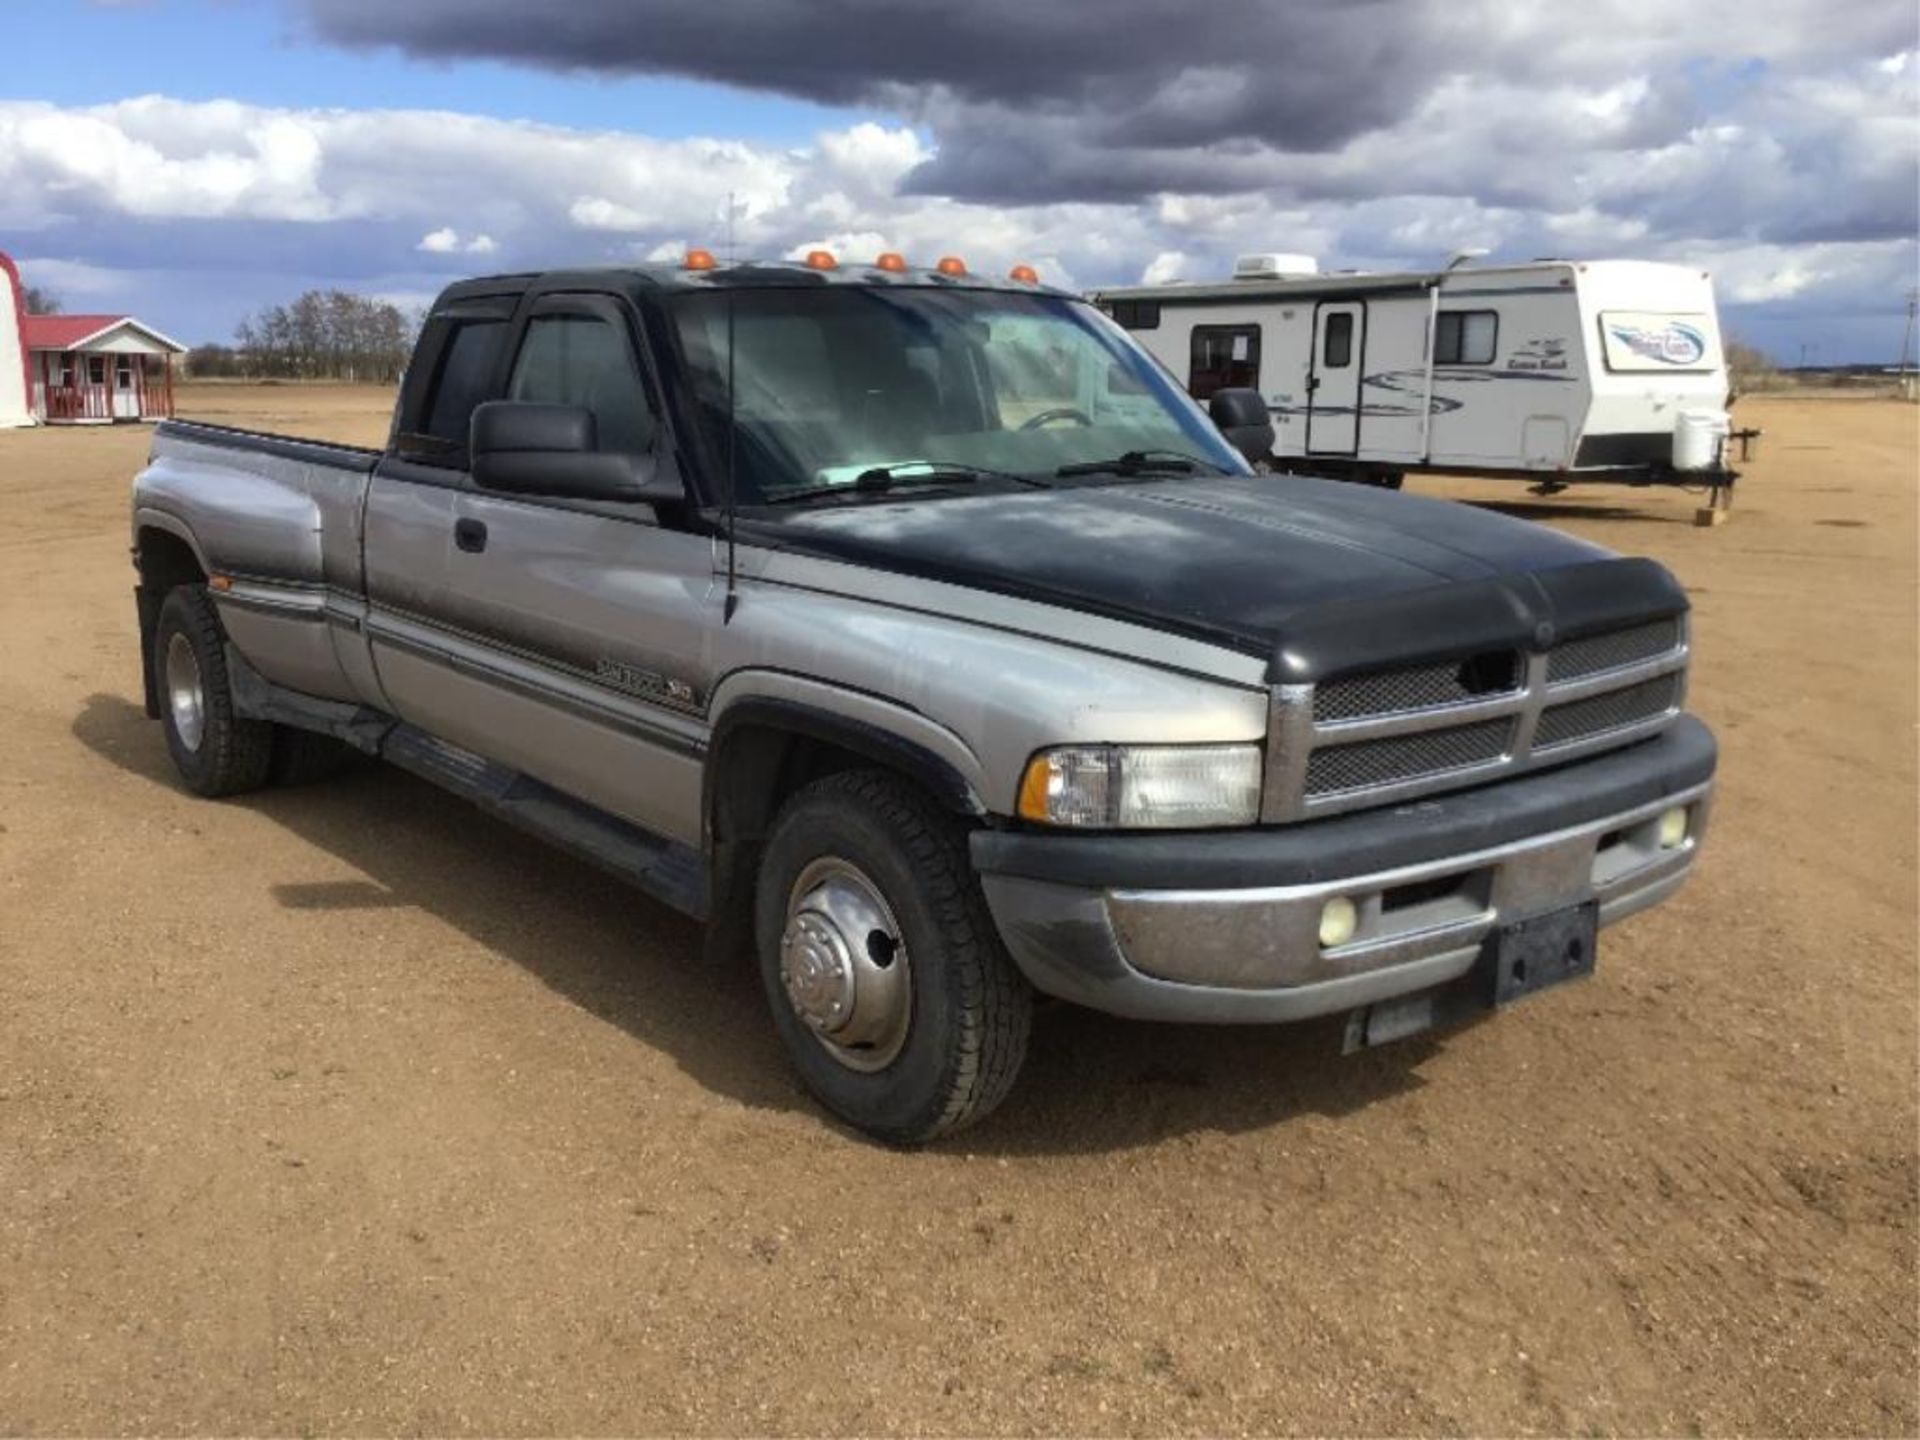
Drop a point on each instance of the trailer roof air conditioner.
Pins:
(1274, 267)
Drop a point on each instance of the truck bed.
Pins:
(267, 442)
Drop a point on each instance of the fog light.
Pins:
(1673, 828)
(1338, 920)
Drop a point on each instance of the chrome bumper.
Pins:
(1254, 954)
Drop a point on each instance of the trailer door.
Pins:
(1334, 377)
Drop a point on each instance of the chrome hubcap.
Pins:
(843, 964)
(185, 698)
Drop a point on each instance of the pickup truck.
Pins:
(918, 633)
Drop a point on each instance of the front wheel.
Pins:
(888, 985)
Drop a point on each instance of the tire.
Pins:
(966, 1012)
(216, 751)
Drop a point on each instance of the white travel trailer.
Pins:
(1553, 371)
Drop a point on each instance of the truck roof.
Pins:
(739, 275)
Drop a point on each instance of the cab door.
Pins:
(581, 627)
(1334, 378)
(407, 530)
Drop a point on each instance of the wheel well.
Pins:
(165, 561)
(756, 771)
(756, 765)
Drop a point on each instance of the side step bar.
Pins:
(670, 872)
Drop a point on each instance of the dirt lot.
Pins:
(346, 1109)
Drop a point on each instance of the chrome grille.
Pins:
(1390, 692)
(1369, 763)
(1362, 740)
(1610, 710)
(1613, 650)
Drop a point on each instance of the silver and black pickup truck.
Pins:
(921, 636)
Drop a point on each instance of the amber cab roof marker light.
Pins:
(951, 265)
(821, 260)
(1025, 274)
(891, 260)
(699, 260)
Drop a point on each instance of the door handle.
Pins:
(470, 536)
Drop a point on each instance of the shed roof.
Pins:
(76, 332)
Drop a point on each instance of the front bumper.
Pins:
(1224, 927)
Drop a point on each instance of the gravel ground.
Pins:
(346, 1109)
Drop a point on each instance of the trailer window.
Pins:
(1465, 337)
(1223, 357)
(1336, 351)
(1135, 314)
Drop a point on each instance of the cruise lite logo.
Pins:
(1674, 343)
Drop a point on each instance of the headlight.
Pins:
(1159, 787)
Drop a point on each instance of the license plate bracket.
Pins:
(1550, 949)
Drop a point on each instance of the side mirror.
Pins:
(520, 448)
(1242, 416)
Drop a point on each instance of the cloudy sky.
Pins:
(192, 160)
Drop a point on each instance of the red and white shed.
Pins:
(95, 369)
(79, 369)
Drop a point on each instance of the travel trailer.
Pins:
(1553, 371)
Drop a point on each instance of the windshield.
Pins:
(839, 382)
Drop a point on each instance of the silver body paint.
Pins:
(586, 648)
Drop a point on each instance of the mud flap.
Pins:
(147, 606)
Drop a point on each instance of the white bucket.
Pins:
(1699, 436)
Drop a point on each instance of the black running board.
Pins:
(665, 869)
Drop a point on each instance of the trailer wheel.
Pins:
(888, 984)
(216, 751)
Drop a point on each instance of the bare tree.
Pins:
(41, 302)
(322, 335)
(1750, 367)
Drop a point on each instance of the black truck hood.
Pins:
(1316, 575)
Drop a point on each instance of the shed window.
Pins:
(1224, 357)
(466, 370)
(584, 360)
(1465, 337)
(96, 370)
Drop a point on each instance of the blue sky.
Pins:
(193, 160)
(265, 53)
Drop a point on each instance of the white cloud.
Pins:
(1164, 268)
(446, 241)
(1787, 192)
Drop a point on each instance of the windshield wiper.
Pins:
(1138, 462)
(882, 478)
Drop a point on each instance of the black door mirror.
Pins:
(1242, 416)
(520, 448)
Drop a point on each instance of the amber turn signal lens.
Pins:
(821, 260)
(1033, 788)
(1025, 274)
(699, 260)
(892, 260)
(951, 265)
